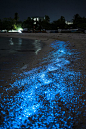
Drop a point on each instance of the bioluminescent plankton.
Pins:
(48, 95)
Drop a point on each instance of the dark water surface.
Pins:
(14, 52)
(51, 96)
(12, 45)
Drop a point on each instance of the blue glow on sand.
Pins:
(45, 97)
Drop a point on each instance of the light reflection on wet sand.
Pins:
(48, 96)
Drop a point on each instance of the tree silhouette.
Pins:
(7, 23)
(28, 23)
(47, 19)
(79, 22)
(45, 24)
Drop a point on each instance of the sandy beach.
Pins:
(77, 39)
(76, 42)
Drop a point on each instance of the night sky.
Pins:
(53, 8)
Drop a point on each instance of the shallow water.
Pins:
(13, 45)
(50, 96)
(13, 54)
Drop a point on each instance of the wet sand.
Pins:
(77, 43)
(77, 39)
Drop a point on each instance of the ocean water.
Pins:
(15, 53)
(14, 45)
(51, 96)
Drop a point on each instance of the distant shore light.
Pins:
(20, 30)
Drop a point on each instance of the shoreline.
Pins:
(77, 40)
(50, 37)
(75, 43)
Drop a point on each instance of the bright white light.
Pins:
(37, 19)
(34, 19)
(20, 30)
(12, 31)
(34, 22)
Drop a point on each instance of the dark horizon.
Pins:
(53, 8)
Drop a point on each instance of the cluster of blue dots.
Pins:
(47, 97)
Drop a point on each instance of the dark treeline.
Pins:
(14, 23)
